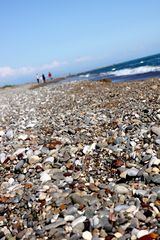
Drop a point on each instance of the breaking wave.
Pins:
(134, 71)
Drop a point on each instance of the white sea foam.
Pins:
(85, 76)
(103, 74)
(134, 71)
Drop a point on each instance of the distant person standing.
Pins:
(43, 78)
(50, 76)
(38, 78)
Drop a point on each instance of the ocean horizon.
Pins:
(136, 69)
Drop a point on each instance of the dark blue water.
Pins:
(138, 69)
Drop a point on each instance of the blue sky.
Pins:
(68, 36)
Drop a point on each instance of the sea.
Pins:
(137, 69)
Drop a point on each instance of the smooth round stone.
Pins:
(45, 177)
(154, 161)
(157, 141)
(11, 181)
(78, 199)
(146, 157)
(19, 151)
(120, 208)
(142, 233)
(2, 157)
(19, 165)
(42, 196)
(93, 187)
(49, 160)
(94, 221)
(132, 172)
(123, 174)
(78, 220)
(104, 223)
(78, 228)
(156, 130)
(21, 177)
(89, 212)
(71, 210)
(23, 137)
(153, 197)
(156, 179)
(34, 159)
(2, 133)
(29, 153)
(69, 218)
(140, 216)
(131, 208)
(9, 134)
(87, 235)
(121, 189)
(118, 235)
(69, 179)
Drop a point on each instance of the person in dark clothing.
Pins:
(43, 78)
(37, 77)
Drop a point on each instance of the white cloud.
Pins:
(51, 65)
(6, 71)
(24, 71)
(83, 59)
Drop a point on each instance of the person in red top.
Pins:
(50, 75)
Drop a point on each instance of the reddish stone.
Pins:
(117, 163)
(53, 144)
(150, 236)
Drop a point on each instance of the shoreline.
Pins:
(62, 80)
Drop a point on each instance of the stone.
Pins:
(156, 130)
(19, 165)
(9, 134)
(156, 178)
(2, 157)
(59, 222)
(45, 177)
(33, 160)
(69, 218)
(87, 235)
(78, 220)
(132, 172)
(121, 189)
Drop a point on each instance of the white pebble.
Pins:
(45, 177)
(87, 235)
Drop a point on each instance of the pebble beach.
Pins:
(80, 161)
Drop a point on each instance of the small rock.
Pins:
(33, 159)
(156, 178)
(19, 165)
(121, 189)
(9, 134)
(45, 177)
(21, 177)
(58, 223)
(69, 218)
(87, 235)
(42, 196)
(132, 172)
(156, 130)
(78, 220)
(2, 157)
